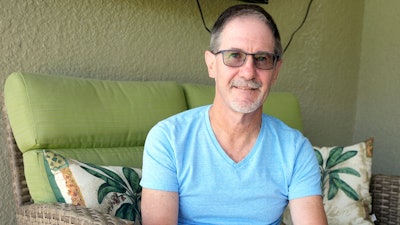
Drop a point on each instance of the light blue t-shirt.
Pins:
(182, 155)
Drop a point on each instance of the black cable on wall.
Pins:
(291, 36)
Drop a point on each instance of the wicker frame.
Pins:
(385, 191)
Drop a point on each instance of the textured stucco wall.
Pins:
(378, 104)
(322, 69)
(165, 40)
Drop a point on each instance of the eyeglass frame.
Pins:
(275, 57)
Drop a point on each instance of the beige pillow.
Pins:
(345, 180)
(109, 189)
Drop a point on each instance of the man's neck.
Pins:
(235, 132)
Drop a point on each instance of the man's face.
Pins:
(247, 34)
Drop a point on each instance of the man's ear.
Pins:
(210, 61)
(276, 71)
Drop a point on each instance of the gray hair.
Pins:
(244, 10)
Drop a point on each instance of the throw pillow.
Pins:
(345, 179)
(108, 189)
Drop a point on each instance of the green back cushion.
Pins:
(65, 112)
(283, 105)
(102, 122)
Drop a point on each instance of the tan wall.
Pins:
(165, 40)
(378, 103)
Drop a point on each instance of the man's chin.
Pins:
(245, 108)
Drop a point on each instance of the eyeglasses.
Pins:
(236, 58)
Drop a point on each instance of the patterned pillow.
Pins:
(345, 179)
(108, 189)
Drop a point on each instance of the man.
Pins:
(228, 163)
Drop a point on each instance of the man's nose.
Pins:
(248, 69)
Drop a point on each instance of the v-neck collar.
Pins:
(221, 151)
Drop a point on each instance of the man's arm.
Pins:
(159, 207)
(308, 211)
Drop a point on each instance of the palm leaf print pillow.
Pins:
(108, 189)
(345, 181)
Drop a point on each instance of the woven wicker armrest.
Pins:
(60, 213)
(385, 191)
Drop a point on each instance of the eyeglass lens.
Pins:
(262, 60)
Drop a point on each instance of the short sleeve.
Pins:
(306, 178)
(159, 167)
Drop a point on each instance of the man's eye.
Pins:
(235, 55)
(261, 58)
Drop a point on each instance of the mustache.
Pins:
(246, 83)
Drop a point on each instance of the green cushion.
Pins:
(283, 105)
(286, 107)
(64, 112)
(198, 94)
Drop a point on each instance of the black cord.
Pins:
(202, 17)
(291, 37)
(301, 25)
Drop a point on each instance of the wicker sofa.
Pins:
(112, 118)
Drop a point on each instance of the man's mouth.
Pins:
(245, 88)
(246, 85)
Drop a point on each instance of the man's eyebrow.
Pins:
(240, 50)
